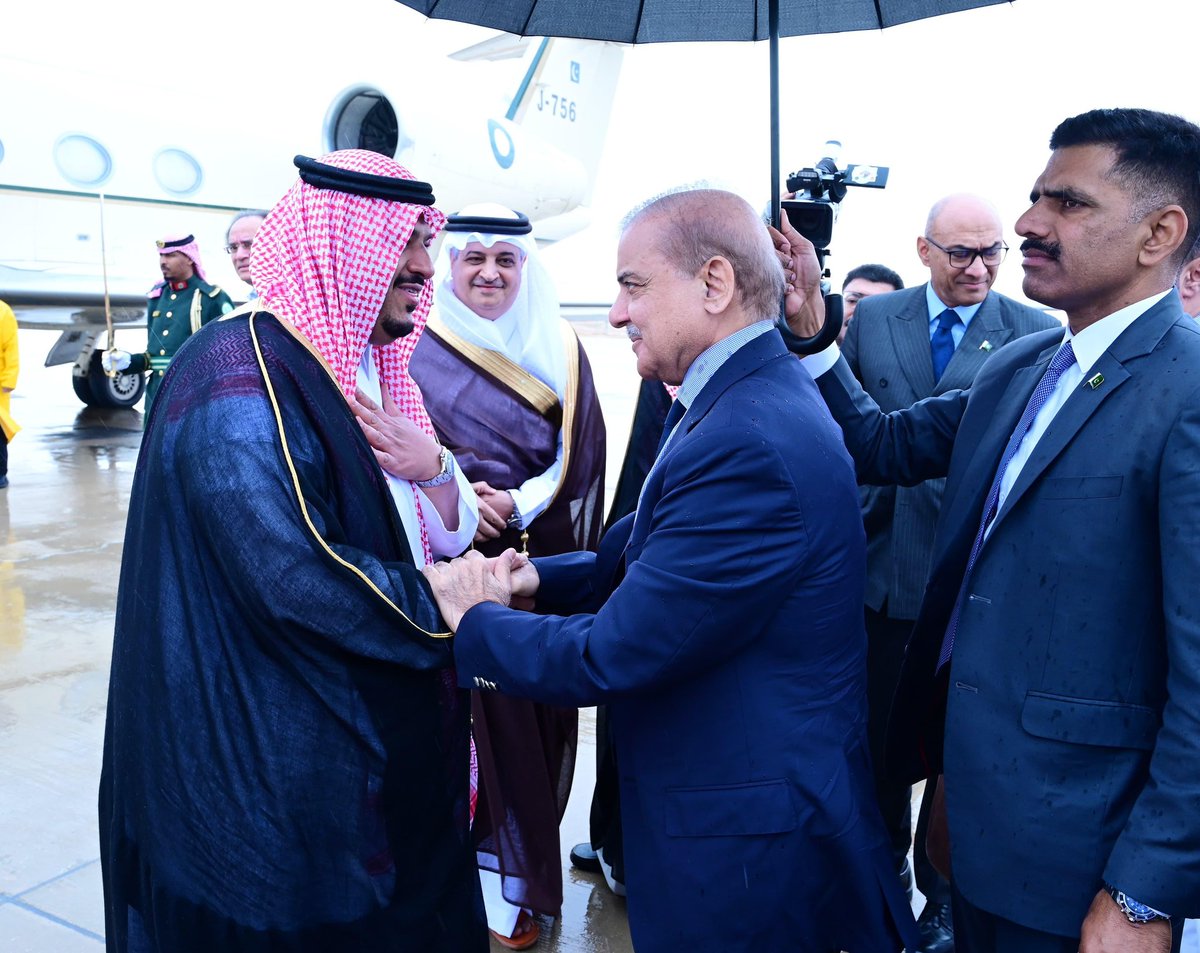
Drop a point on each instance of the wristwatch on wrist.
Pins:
(514, 519)
(1134, 912)
(445, 475)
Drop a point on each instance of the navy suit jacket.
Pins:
(887, 348)
(731, 655)
(1071, 707)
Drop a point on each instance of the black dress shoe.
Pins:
(584, 858)
(936, 929)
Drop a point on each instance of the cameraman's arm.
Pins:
(803, 305)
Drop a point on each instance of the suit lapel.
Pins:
(988, 326)
(909, 328)
(1137, 340)
(963, 503)
(747, 359)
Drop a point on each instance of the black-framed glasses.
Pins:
(962, 257)
(234, 246)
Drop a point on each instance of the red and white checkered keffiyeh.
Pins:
(191, 250)
(324, 260)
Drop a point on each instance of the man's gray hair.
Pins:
(704, 223)
(244, 213)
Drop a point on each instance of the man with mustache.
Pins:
(509, 389)
(721, 622)
(1053, 676)
(286, 753)
(179, 306)
(904, 346)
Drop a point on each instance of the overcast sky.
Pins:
(961, 102)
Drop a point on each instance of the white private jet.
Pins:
(74, 128)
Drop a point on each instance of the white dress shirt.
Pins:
(442, 542)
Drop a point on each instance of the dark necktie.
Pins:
(1062, 360)
(674, 415)
(941, 345)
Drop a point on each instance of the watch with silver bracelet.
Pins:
(445, 475)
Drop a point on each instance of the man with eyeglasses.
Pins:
(239, 240)
(1052, 681)
(903, 347)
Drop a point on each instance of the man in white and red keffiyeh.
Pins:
(286, 753)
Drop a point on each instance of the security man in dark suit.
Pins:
(905, 346)
(1052, 681)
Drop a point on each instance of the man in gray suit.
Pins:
(1189, 283)
(1053, 675)
(903, 347)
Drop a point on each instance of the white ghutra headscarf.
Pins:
(528, 332)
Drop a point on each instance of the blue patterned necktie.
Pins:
(941, 345)
(1062, 360)
(674, 415)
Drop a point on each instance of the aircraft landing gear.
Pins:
(97, 389)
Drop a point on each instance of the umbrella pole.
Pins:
(773, 27)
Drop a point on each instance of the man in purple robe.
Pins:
(509, 389)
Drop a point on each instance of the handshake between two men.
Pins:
(509, 579)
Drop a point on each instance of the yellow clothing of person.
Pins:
(9, 365)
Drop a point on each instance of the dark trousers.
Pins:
(886, 640)
(3, 456)
(977, 931)
(605, 820)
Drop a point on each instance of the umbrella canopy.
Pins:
(679, 21)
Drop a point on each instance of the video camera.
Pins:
(819, 192)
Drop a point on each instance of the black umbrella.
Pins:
(666, 21)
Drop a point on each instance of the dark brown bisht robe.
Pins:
(502, 425)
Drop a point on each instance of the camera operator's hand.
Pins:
(803, 303)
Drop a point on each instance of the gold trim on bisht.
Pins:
(541, 397)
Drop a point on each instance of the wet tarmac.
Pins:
(62, 524)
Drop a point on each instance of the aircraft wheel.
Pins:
(83, 389)
(124, 390)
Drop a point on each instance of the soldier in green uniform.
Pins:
(178, 306)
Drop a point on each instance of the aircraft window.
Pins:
(177, 171)
(362, 118)
(82, 160)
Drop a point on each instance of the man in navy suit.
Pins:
(721, 622)
(904, 347)
(1054, 671)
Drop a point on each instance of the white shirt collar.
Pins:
(1097, 338)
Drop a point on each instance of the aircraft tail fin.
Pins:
(502, 46)
(566, 97)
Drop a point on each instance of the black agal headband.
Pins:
(322, 176)
(487, 225)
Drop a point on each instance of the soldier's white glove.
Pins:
(114, 360)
